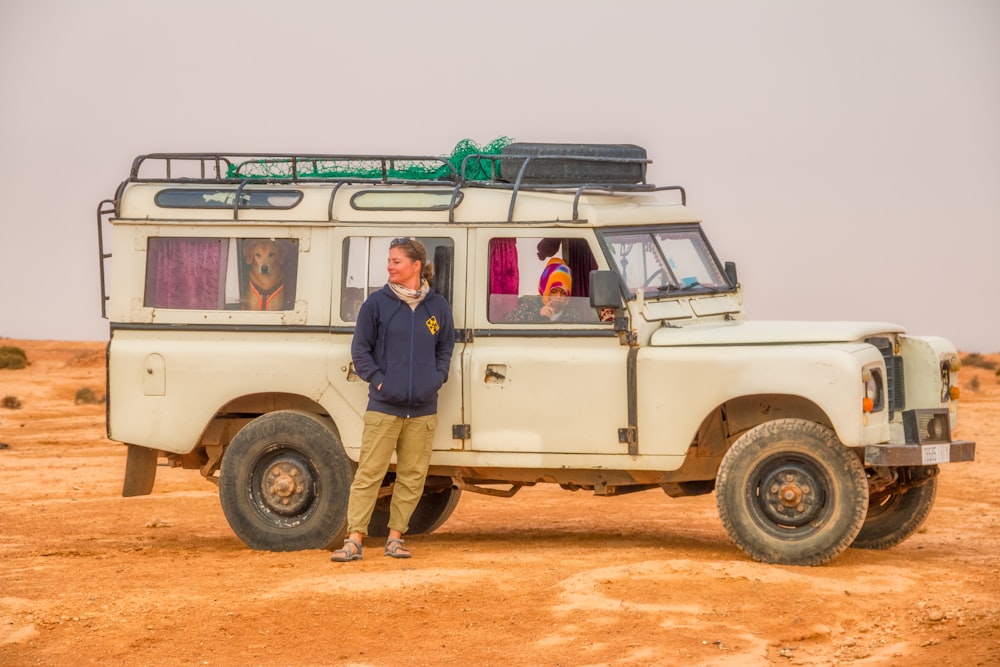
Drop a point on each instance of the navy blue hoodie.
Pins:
(407, 351)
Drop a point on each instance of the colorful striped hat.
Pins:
(555, 274)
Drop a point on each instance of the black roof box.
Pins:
(573, 164)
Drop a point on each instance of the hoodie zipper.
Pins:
(409, 389)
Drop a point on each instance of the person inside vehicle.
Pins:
(555, 286)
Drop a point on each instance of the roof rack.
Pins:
(568, 168)
(556, 167)
(285, 168)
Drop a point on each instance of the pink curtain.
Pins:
(184, 273)
(504, 278)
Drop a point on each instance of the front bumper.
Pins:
(955, 451)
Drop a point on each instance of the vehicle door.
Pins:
(361, 255)
(535, 385)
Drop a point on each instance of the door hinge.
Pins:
(461, 431)
(630, 436)
(463, 335)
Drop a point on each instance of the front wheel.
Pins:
(788, 492)
(284, 483)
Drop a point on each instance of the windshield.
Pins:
(664, 260)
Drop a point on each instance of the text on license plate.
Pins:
(931, 454)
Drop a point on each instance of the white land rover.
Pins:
(235, 283)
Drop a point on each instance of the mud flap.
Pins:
(140, 471)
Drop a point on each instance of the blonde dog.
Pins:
(266, 290)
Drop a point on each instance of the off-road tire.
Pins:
(284, 483)
(434, 508)
(788, 492)
(893, 515)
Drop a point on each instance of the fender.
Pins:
(678, 387)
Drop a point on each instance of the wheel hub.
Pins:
(789, 495)
(286, 486)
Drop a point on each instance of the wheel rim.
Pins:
(788, 494)
(283, 485)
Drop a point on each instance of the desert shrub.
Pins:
(10, 402)
(979, 361)
(974, 383)
(88, 395)
(12, 357)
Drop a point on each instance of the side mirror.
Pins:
(731, 273)
(605, 290)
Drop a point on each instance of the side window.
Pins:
(540, 280)
(221, 273)
(365, 260)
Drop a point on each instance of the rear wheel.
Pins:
(789, 492)
(437, 503)
(894, 515)
(284, 483)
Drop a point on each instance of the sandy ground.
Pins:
(547, 577)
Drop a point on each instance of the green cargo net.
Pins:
(371, 168)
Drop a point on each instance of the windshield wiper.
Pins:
(687, 287)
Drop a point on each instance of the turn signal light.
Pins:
(954, 392)
(867, 404)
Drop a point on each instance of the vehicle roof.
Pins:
(591, 184)
(335, 203)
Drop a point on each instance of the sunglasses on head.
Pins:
(402, 240)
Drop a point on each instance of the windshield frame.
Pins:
(692, 268)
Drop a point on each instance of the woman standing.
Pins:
(402, 347)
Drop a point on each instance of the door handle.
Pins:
(493, 374)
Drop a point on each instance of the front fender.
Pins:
(677, 387)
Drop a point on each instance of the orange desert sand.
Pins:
(548, 577)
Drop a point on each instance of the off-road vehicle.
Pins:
(814, 436)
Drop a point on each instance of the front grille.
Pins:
(894, 374)
(897, 394)
(926, 426)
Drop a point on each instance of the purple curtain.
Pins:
(184, 273)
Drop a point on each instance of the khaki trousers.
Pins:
(412, 440)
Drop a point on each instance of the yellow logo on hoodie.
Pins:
(433, 326)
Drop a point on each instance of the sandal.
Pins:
(347, 553)
(394, 549)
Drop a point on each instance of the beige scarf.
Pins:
(411, 297)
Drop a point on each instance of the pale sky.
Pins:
(845, 154)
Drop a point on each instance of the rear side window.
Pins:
(198, 273)
(227, 198)
(365, 260)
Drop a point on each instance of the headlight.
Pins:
(949, 392)
(873, 399)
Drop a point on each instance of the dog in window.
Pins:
(266, 288)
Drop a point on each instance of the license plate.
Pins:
(931, 454)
